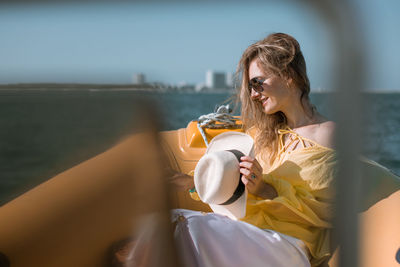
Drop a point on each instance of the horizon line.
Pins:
(149, 84)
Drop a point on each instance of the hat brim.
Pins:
(232, 140)
(235, 211)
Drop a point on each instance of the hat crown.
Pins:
(217, 177)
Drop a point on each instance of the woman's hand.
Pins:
(251, 172)
(252, 177)
(180, 181)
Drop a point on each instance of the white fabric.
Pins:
(213, 240)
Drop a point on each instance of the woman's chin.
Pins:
(269, 111)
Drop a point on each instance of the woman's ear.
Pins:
(290, 82)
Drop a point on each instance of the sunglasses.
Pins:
(256, 84)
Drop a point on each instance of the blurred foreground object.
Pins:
(72, 219)
(380, 233)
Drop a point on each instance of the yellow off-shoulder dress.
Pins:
(303, 208)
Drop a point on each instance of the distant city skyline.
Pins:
(177, 42)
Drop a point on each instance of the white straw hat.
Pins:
(217, 177)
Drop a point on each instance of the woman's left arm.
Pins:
(179, 181)
(252, 177)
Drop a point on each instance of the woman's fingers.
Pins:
(251, 160)
(247, 182)
(246, 172)
(251, 172)
(251, 164)
(246, 177)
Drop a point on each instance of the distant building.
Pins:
(215, 79)
(139, 78)
(230, 79)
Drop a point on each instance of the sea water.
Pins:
(44, 132)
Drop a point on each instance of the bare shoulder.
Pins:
(325, 133)
(322, 132)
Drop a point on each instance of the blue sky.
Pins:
(173, 42)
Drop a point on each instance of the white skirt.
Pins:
(213, 240)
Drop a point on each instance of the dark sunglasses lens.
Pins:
(256, 85)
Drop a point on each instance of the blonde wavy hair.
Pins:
(280, 55)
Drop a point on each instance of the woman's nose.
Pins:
(254, 94)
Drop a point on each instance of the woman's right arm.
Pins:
(252, 177)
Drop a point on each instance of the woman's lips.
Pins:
(264, 102)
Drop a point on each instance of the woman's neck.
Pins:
(299, 115)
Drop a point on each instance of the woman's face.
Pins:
(276, 96)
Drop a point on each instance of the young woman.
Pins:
(290, 178)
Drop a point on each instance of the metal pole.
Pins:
(347, 105)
